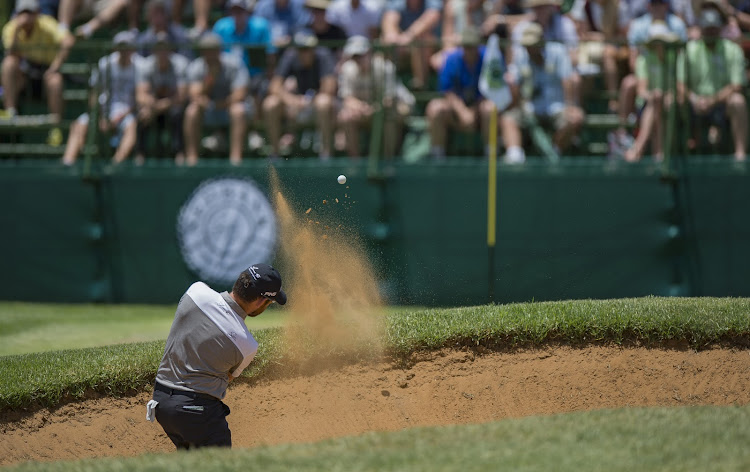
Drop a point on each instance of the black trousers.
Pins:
(170, 120)
(192, 420)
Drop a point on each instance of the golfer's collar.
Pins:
(234, 305)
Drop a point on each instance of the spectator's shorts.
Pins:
(114, 110)
(35, 74)
(220, 117)
(553, 116)
(90, 8)
(716, 116)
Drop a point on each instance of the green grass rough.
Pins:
(46, 379)
(643, 439)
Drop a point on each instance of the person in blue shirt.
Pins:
(241, 29)
(462, 106)
(286, 18)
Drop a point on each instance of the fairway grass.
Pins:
(46, 379)
(634, 439)
(37, 327)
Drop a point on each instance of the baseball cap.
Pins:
(305, 39)
(541, 3)
(244, 4)
(357, 45)
(210, 40)
(532, 35)
(471, 37)
(27, 5)
(125, 38)
(710, 18)
(267, 282)
(660, 32)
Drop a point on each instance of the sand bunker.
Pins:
(448, 387)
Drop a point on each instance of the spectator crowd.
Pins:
(179, 78)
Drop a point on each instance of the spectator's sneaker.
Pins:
(55, 137)
(618, 142)
(8, 114)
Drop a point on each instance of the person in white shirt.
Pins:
(355, 17)
(115, 76)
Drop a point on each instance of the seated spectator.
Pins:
(115, 78)
(286, 18)
(557, 28)
(217, 92)
(302, 91)
(650, 69)
(356, 17)
(658, 11)
(322, 28)
(462, 106)
(457, 16)
(35, 48)
(602, 27)
(242, 29)
(99, 13)
(506, 14)
(367, 82)
(159, 21)
(712, 78)
(541, 76)
(406, 22)
(161, 91)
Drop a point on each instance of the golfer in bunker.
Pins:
(208, 346)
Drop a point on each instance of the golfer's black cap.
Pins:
(267, 282)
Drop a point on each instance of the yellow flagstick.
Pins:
(491, 201)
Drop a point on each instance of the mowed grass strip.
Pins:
(642, 439)
(37, 327)
(47, 378)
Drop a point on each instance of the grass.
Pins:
(45, 379)
(36, 327)
(642, 439)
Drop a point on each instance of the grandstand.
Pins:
(24, 136)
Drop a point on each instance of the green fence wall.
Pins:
(581, 229)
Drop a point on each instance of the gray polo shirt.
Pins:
(208, 340)
(232, 75)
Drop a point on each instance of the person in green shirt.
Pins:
(651, 70)
(712, 79)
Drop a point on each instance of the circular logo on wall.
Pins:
(226, 225)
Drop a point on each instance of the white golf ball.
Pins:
(342, 179)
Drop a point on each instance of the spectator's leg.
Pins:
(485, 109)
(573, 120)
(143, 132)
(576, 86)
(737, 111)
(273, 110)
(325, 118)
(420, 60)
(76, 140)
(611, 74)
(438, 115)
(177, 7)
(134, 14)
(349, 122)
(176, 117)
(108, 14)
(54, 88)
(201, 10)
(12, 81)
(511, 132)
(67, 12)
(635, 153)
(628, 88)
(657, 133)
(392, 131)
(191, 131)
(238, 126)
(127, 141)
